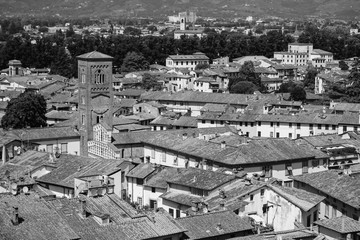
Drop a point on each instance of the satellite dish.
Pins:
(14, 186)
(16, 148)
(13, 192)
(25, 189)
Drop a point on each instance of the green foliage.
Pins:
(27, 110)
(63, 64)
(152, 28)
(132, 31)
(287, 87)
(343, 66)
(149, 82)
(202, 66)
(244, 87)
(134, 62)
(309, 79)
(43, 29)
(247, 74)
(298, 93)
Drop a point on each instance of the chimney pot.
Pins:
(184, 136)
(223, 145)
(15, 219)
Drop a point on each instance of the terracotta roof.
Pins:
(70, 168)
(214, 224)
(162, 120)
(95, 55)
(141, 171)
(138, 137)
(197, 56)
(334, 184)
(130, 92)
(303, 199)
(159, 179)
(180, 197)
(38, 221)
(198, 178)
(214, 107)
(186, 121)
(341, 224)
(202, 97)
(64, 115)
(132, 127)
(126, 223)
(33, 134)
(233, 192)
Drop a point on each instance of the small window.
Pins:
(319, 126)
(139, 181)
(277, 135)
(271, 124)
(290, 135)
(290, 125)
(153, 189)
(327, 127)
(288, 169)
(315, 163)
(278, 124)
(203, 121)
(259, 123)
(246, 124)
(262, 192)
(344, 128)
(139, 201)
(212, 122)
(333, 127)
(305, 167)
(298, 125)
(311, 126)
(171, 212)
(259, 133)
(251, 197)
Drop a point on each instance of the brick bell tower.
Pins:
(95, 94)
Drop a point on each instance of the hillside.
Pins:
(346, 9)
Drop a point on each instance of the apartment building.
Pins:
(186, 61)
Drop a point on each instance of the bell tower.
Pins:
(95, 94)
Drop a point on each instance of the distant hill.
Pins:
(346, 9)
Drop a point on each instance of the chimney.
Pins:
(194, 206)
(82, 208)
(223, 145)
(219, 227)
(184, 136)
(222, 194)
(15, 216)
(222, 205)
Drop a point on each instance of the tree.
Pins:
(63, 64)
(298, 93)
(309, 79)
(286, 87)
(343, 66)
(134, 62)
(150, 82)
(43, 29)
(247, 74)
(244, 87)
(201, 66)
(132, 31)
(27, 110)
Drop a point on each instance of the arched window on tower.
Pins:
(99, 77)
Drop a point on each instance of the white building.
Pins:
(186, 61)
